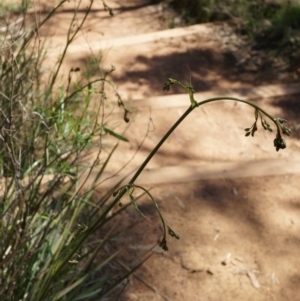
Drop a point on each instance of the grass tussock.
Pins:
(53, 232)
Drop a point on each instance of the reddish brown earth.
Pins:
(240, 227)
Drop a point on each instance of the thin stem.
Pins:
(239, 100)
(160, 143)
(175, 125)
(70, 38)
(123, 191)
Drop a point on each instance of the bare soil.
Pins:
(239, 237)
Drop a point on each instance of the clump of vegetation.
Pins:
(48, 248)
(266, 24)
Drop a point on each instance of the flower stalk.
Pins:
(259, 113)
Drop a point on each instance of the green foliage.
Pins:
(283, 13)
(14, 6)
(272, 25)
(53, 232)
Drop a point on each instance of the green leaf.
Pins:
(29, 170)
(110, 132)
(84, 296)
(136, 206)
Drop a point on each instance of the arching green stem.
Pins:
(174, 126)
(194, 104)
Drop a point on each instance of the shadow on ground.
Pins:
(254, 223)
(209, 69)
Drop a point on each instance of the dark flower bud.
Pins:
(286, 131)
(172, 233)
(126, 118)
(163, 244)
(279, 143)
(166, 87)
